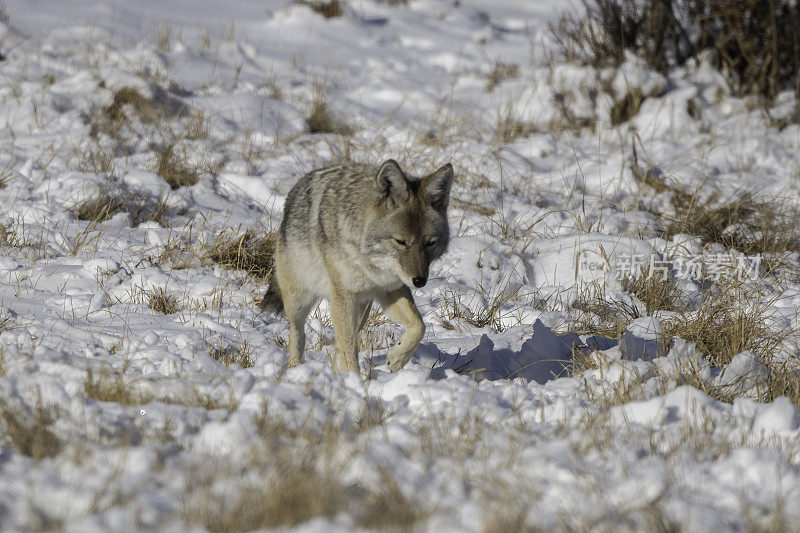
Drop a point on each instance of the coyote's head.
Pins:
(408, 227)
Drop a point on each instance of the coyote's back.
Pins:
(357, 233)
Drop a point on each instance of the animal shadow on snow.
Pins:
(542, 357)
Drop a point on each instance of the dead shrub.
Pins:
(752, 41)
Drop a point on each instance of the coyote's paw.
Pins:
(397, 361)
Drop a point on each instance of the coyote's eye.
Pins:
(401, 242)
(431, 242)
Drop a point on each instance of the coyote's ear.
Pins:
(391, 182)
(436, 187)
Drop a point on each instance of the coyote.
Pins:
(353, 234)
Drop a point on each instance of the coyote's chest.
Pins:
(361, 274)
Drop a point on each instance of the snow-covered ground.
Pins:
(510, 416)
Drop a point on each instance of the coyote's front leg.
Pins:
(399, 306)
(345, 313)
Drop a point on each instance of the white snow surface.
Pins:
(484, 422)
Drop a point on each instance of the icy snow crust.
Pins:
(478, 426)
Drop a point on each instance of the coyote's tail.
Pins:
(272, 301)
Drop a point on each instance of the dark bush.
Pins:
(756, 43)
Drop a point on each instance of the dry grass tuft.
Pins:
(387, 508)
(107, 387)
(100, 207)
(174, 168)
(453, 313)
(104, 205)
(130, 104)
(500, 72)
(627, 107)
(131, 98)
(722, 327)
(565, 120)
(509, 129)
(246, 251)
(192, 396)
(161, 301)
(741, 223)
(656, 291)
(784, 380)
(292, 478)
(329, 9)
(598, 315)
(30, 431)
(320, 119)
(292, 494)
(241, 355)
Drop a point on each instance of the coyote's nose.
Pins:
(419, 281)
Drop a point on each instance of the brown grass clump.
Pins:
(784, 380)
(501, 71)
(509, 129)
(293, 494)
(599, 315)
(100, 207)
(174, 168)
(161, 301)
(564, 118)
(294, 479)
(192, 396)
(453, 313)
(656, 291)
(320, 119)
(106, 387)
(244, 251)
(143, 107)
(241, 355)
(31, 433)
(104, 205)
(627, 107)
(387, 508)
(742, 224)
(329, 9)
(721, 328)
